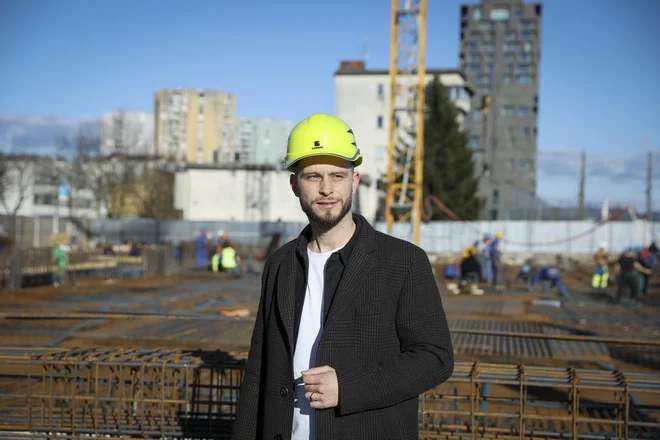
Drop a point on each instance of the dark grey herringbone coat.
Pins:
(386, 336)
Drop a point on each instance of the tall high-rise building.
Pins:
(500, 54)
(197, 126)
(129, 133)
(262, 141)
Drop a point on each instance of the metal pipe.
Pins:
(581, 338)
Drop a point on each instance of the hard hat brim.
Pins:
(356, 159)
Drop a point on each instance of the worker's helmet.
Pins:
(487, 236)
(321, 134)
(499, 234)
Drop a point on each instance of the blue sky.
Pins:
(76, 59)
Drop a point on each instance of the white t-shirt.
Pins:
(309, 335)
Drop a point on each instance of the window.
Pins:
(475, 58)
(381, 90)
(474, 142)
(496, 196)
(476, 15)
(475, 68)
(527, 46)
(524, 68)
(513, 143)
(476, 115)
(527, 25)
(482, 79)
(526, 132)
(508, 58)
(524, 78)
(499, 14)
(510, 36)
(489, 47)
(523, 165)
(519, 13)
(507, 110)
(512, 164)
(525, 57)
(380, 153)
(379, 122)
(506, 79)
(523, 111)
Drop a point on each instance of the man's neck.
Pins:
(325, 240)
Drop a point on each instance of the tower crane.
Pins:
(405, 169)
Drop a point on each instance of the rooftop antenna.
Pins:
(365, 49)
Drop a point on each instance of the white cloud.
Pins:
(28, 133)
(565, 162)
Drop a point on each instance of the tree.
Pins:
(449, 172)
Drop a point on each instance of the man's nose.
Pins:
(325, 187)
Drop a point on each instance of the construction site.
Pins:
(146, 340)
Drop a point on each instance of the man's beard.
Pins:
(327, 220)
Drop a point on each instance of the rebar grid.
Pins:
(163, 393)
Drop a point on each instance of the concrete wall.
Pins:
(551, 237)
(236, 195)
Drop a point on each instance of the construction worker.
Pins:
(647, 258)
(495, 255)
(525, 273)
(628, 270)
(202, 252)
(451, 271)
(350, 327)
(470, 267)
(486, 262)
(229, 258)
(61, 260)
(551, 273)
(601, 274)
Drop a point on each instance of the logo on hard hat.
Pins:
(317, 145)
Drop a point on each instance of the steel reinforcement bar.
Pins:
(159, 393)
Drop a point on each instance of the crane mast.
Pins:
(405, 168)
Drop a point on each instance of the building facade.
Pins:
(130, 133)
(236, 193)
(195, 126)
(362, 101)
(500, 54)
(262, 141)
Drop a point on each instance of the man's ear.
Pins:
(356, 180)
(293, 181)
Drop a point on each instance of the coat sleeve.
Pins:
(245, 426)
(426, 359)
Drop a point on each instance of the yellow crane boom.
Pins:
(405, 168)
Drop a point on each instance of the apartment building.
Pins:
(362, 101)
(129, 133)
(195, 126)
(262, 141)
(500, 54)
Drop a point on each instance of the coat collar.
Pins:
(358, 257)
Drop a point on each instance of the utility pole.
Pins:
(583, 167)
(649, 185)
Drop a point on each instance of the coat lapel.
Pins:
(286, 286)
(360, 264)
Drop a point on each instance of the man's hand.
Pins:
(322, 387)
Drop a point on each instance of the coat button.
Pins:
(284, 392)
(278, 437)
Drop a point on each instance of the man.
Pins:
(551, 273)
(628, 270)
(495, 255)
(601, 274)
(350, 327)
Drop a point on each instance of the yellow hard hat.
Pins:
(318, 135)
(498, 234)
